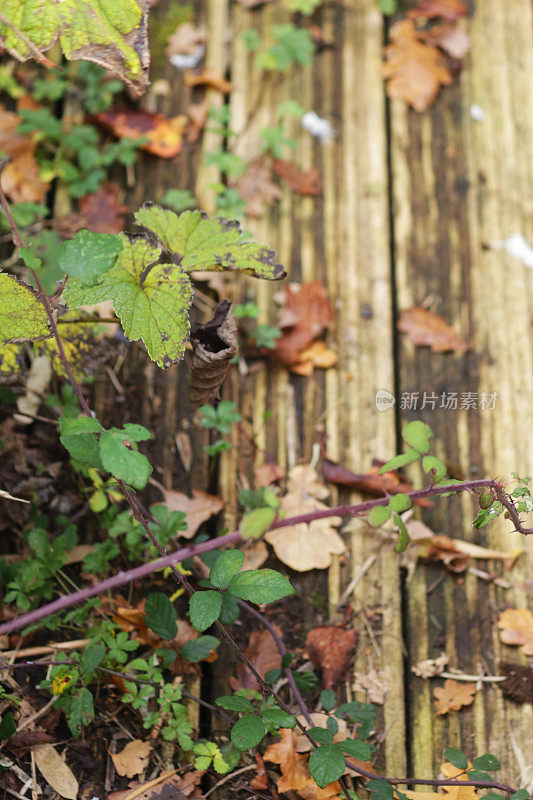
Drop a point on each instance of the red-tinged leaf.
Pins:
(331, 651)
(449, 10)
(102, 211)
(164, 135)
(305, 182)
(427, 329)
(303, 318)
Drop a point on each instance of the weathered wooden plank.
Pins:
(460, 184)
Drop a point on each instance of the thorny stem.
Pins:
(143, 518)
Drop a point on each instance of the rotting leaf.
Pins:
(414, 71)
(516, 626)
(331, 651)
(306, 546)
(132, 759)
(197, 508)
(305, 314)
(453, 696)
(256, 187)
(264, 655)
(164, 136)
(305, 182)
(113, 35)
(425, 328)
(214, 345)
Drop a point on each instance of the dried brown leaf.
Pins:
(209, 78)
(259, 782)
(56, 773)
(303, 318)
(516, 626)
(331, 651)
(133, 759)
(102, 211)
(453, 696)
(425, 328)
(21, 179)
(257, 188)
(164, 135)
(295, 775)
(319, 720)
(414, 71)
(305, 182)
(451, 38)
(316, 356)
(448, 770)
(264, 655)
(214, 345)
(198, 508)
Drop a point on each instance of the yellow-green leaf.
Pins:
(79, 343)
(111, 33)
(22, 316)
(11, 356)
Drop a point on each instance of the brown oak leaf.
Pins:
(133, 759)
(517, 628)
(414, 71)
(453, 696)
(425, 328)
(305, 182)
(331, 651)
(197, 508)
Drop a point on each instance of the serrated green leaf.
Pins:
(255, 523)
(79, 437)
(92, 657)
(160, 615)
(234, 702)
(152, 302)
(199, 649)
(227, 565)
(321, 735)
(478, 775)
(88, 255)
(456, 757)
(81, 711)
(430, 463)
(248, 731)
(230, 609)
(277, 717)
(121, 461)
(22, 315)
(402, 460)
(378, 516)
(521, 794)
(356, 749)
(400, 502)
(111, 33)
(487, 761)
(328, 699)
(326, 764)
(418, 434)
(381, 790)
(199, 243)
(204, 609)
(260, 586)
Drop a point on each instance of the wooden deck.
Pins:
(410, 202)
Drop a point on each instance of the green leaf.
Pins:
(227, 565)
(255, 523)
(400, 502)
(204, 609)
(403, 539)
(356, 749)
(22, 315)
(495, 796)
(521, 794)
(88, 255)
(234, 702)
(92, 657)
(151, 300)
(378, 516)
(230, 609)
(418, 434)
(402, 460)
(122, 462)
(79, 437)
(198, 243)
(488, 762)
(326, 764)
(112, 34)
(199, 649)
(456, 757)
(160, 615)
(277, 717)
(81, 711)
(248, 731)
(328, 699)
(260, 586)
(478, 775)
(321, 735)
(381, 790)
(8, 726)
(430, 463)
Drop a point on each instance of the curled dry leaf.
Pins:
(257, 189)
(56, 773)
(516, 626)
(306, 546)
(21, 176)
(198, 508)
(450, 10)
(425, 328)
(214, 345)
(133, 759)
(453, 696)
(259, 782)
(414, 71)
(331, 651)
(295, 775)
(210, 79)
(303, 318)
(305, 182)
(263, 654)
(164, 135)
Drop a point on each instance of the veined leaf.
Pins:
(199, 243)
(111, 33)
(152, 302)
(22, 316)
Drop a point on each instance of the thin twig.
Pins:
(227, 778)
